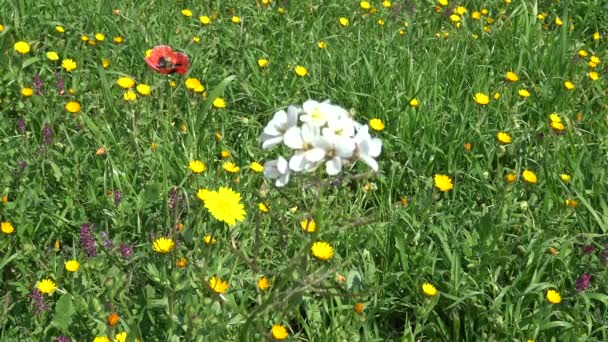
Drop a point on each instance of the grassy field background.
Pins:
(493, 246)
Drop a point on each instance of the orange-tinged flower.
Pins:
(113, 319)
(263, 284)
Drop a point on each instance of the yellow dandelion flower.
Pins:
(143, 89)
(557, 126)
(511, 178)
(376, 124)
(279, 332)
(308, 225)
(69, 64)
(7, 227)
(100, 37)
(322, 45)
(481, 99)
(27, 92)
(197, 166)
(231, 167)
(218, 285)
(256, 167)
(263, 207)
(209, 239)
(205, 20)
(571, 203)
(343, 22)
(443, 182)
(263, 284)
(236, 19)
(594, 76)
(72, 107)
(511, 76)
(72, 265)
(429, 290)
(46, 286)
(105, 63)
(365, 5)
(322, 250)
(300, 71)
(181, 262)
(523, 93)
(558, 21)
(414, 102)
(569, 85)
(129, 96)
(52, 55)
(529, 177)
(163, 245)
(22, 47)
(219, 103)
(566, 178)
(225, 205)
(126, 82)
(118, 40)
(554, 297)
(262, 62)
(186, 12)
(503, 138)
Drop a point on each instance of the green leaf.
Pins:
(64, 310)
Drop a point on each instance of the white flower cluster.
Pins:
(327, 134)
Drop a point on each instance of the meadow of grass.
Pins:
(512, 247)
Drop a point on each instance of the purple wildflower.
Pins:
(126, 251)
(62, 338)
(87, 241)
(37, 301)
(21, 125)
(588, 249)
(47, 134)
(117, 197)
(583, 282)
(38, 84)
(105, 241)
(60, 84)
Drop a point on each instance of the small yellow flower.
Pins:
(163, 245)
(219, 103)
(558, 21)
(511, 178)
(443, 182)
(84, 38)
(59, 29)
(263, 207)
(571, 203)
(279, 332)
(186, 12)
(376, 124)
(554, 297)
(524, 93)
(557, 126)
(263, 284)
(594, 76)
(225, 154)
(101, 339)
(262, 62)
(461, 10)
(126, 82)
(72, 107)
(475, 15)
(1, 27)
(72, 265)
(218, 285)
(129, 96)
(153, 147)
(454, 18)
(358, 308)
(380, 22)
(46, 286)
(344, 22)
(597, 36)
(414, 102)
(209, 239)
(300, 71)
(496, 96)
(365, 5)
(236, 19)
(118, 40)
(52, 55)
(322, 250)
(582, 53)
(429, 290)
(172, 84)
(281, 10)
(386, 4)
(143, 89)
(511, 76)
(22, 47)
(181, 262)
(27, 92)
(256, 167)
(7, 228)
(308, 225)
(322, 45)
(231, 167)
(442, 2)
(481, 99)
(69, 64)
(566, 178)
(553, 117)
(105, 63)
(192, 83)
(529, 177)
(197, 166)
(100, 37)
(503, 138)
(569, 85)
(205, 20)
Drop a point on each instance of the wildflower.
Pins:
(27, 92)
(122, 337)
(263, 207)
(62, 338)
(69, 64)
(225, 154)
(1, 27)
(569, 85)
(595, 60)
(256, 167)
(209, 239)
(72, 265)
(582, 53)
(181, 262)
(126, 251)
(218, 285)
(414, 102)
(583, 282)
(262, 62)
(225, 205)
(552, 250)
(279, 332)
(376, 124)
(277, 169)
(4, 199)
(511, 178)
(511, 76)
(386, 4)
(46, 286)
(322, 45)
(594, 76)
(276, 128)
(231, 167)
(558, 21)
(22, 47)
(143, 89)
(523, 93)
(503, 137)
(219, 103)
(263, 284)
(205, 20)
(197, 166)
(72, 107)
(454, 18)
(87, 241)
(129, 96)
(101, 339)
(529, 177)
(192, 83)
(571, 203)
(481, 99)
(461, 10)
(344, 22)
(443, 182)
(7, 227)
(429, 290)
(554, 297)
(37, 301)
(358, 308)
(322, 250)
(476, 15)
(163, 245)
(125, 82)
(186, 13)
(566, 178)
(442, 2)
(113, 319)
(52, 55)
(236, 19)
(300, 71)
(557, 126)
(308, 225)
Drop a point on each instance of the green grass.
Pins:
(484, 244)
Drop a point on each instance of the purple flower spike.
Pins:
(583, 282)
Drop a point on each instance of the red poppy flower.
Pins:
(166, 61)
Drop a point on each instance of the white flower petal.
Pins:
(333, 166)
(293, 138)
(315, 154)
(297, 162)
(270, 141)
